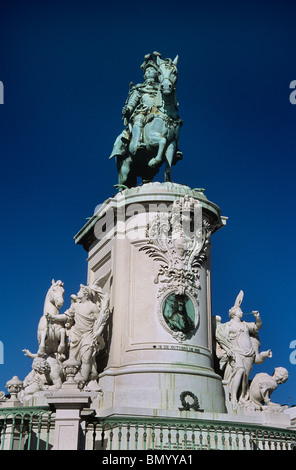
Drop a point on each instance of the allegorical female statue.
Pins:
(238, 349)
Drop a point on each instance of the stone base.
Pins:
(68, 405)
(278, 420)
(149, 387)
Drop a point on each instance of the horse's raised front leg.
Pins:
(62, 345)
(41, 349)
(158, 159)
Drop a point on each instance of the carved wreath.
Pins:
(186, 406)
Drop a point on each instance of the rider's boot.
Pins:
(136, 138)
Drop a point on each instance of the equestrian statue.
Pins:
(152, 125)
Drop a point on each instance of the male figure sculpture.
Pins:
(262, 387)
(85, 321)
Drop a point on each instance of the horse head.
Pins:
(167, 74)
(56, 293)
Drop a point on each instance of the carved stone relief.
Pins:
(179, 241)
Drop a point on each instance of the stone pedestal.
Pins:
(146, 365)
(14, 386)
(67, 420)
(68, 403)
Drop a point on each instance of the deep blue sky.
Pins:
(66, 67)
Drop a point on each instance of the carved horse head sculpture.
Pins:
(55, 296)
(51, 335)
(167, 74)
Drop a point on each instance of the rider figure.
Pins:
(138, 105)
(140, 101)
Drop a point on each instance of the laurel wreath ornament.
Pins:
(186, 405)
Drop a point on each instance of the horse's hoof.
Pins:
(41, 352)
(153, 162)
(120, 187)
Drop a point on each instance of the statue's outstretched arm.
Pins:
(29, 354)
(258, 320)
